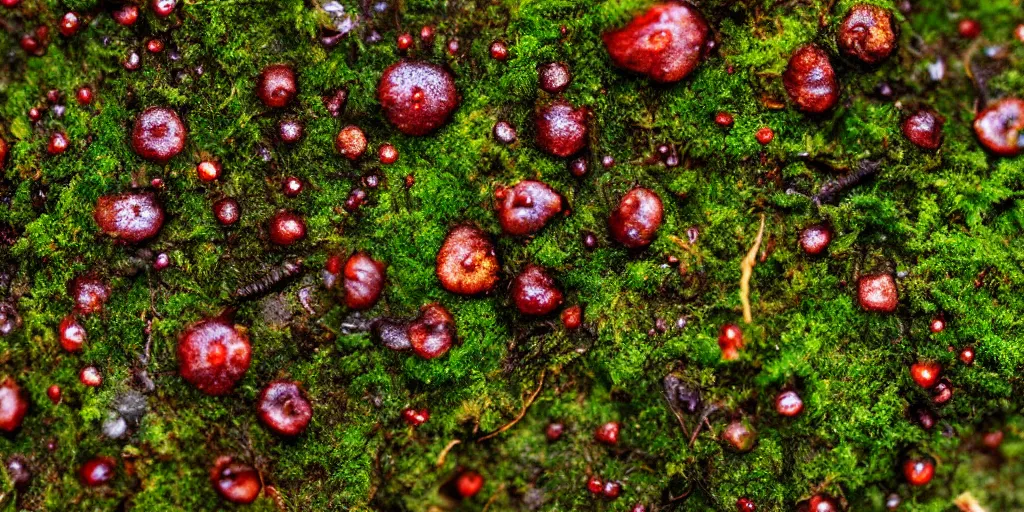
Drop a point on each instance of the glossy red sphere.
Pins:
(1000, 127)
(595, 485)
(469, 483)
(283, 408)
(967, 355)
(387, 154)
(163, 8)
(745, 505)
(235, 481)
(923, 128)
(158, 134)
(208, 171)
(499, 50)
(276, 85)
(561, 128)
(730, 340)
(926, 373)
(227, 211)
(130, 217)
(724, 119)
(58, 143)
(72, 334)
(554, 77)
(789, 404)
(467, 263)
(417, 97)
(764, 135)
(635, 222)
(415, 417)
(290, 131)
(69, 24)
(97, 471)
(432, 333)
(54, 393)
(154, 46)
(968, 28)
(286, 228)
(126, 15)
(867, 34)
(815, 239)
(877, 292)
(535, 292)
(937, 325)
(666, 43)
(292, 186)
(13, 405)
(213, 355)
(607, 433)
(90, 376)
(572, 317)
(351, 142)
(363, 281)
(611, 490)
(553, 432)
(810, 80)
(918, 472)
(83, 95)
(89, 294)
(527, 207)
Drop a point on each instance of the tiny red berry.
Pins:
(208, 171)
(789, 404)
(499, 50)
(969, 28)
(292, 186)
(388, 154)
(404, 41)
(126, 15)
(572, 317)
(724, 119)
(58, 143)
(84, 95)
(992, 440)
(745, 505)
(730, 340)
(554, 431)
(415, 417)
(607, 433)
(937, 325)
(595, 485)
(765, 135)
(918, 472)
(967, 356)
(469, 483)
(97, 471)
(72, 334)
(54, 394)
(90, 376)
(925, 374)
(611, 490)
(69, 24)
(155, 46)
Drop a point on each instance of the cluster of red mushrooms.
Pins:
(665, 44)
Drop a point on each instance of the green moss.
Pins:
(950, 221)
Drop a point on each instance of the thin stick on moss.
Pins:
(494, 497)
(444, 452)
(747, 270)
(968, 503)
(522, 413)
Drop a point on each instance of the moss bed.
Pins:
(948, 223)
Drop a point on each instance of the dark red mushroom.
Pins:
(363, 281)
(924, 129)
(607, 433)
(163, 8)
(554, 77)
(72, 334)
(815, 239)
(999, 127)
(13, 405)
(466, 262)
(877, 292)
(89, 294)
(527, 207)
(97, 471)
(636, 220)
(158, 134)
(227, 211)
(235, 481)
(867, 34)
(283, 408)
(351, 142)
(431, 334)
(130, 217)
(534, 292)
(810, 80)
(213, 355)
(561, 128)
(276, 85)
(286, 228)
(788, 403)
(666, 43)
(417, 97)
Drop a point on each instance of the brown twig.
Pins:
(494, 497)
(444, 453)
(708, 411)
(747, 269)
(526, 405)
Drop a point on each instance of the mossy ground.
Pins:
(949, 222)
